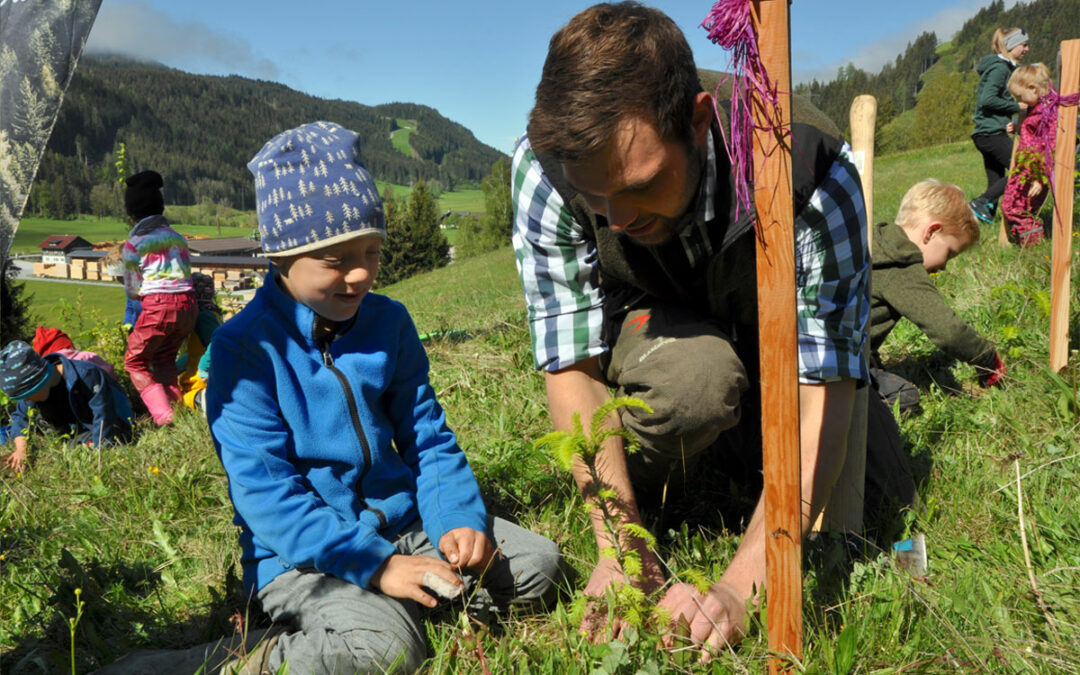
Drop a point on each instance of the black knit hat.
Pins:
(143, 195)
(22, 371)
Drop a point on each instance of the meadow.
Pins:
(105, 552)
(53, 302)
(32, 231)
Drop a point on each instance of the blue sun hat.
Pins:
(312, 191)
(22, 371)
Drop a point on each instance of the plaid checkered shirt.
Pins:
(559, 272)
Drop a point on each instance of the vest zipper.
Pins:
(354, 414)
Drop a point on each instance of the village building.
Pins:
(231, 262)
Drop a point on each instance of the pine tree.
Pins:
(494, 229)
(414, 243)
(15, 318)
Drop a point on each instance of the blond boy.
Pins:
(933, 225)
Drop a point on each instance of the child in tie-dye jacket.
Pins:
(157, 271)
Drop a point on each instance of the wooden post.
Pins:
(863, 118)
(1064, 158)
(1003, 232)
(843, 512)
(778, 342)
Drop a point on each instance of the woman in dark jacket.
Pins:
(994, 108)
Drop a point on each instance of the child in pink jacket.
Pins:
(1029, 182)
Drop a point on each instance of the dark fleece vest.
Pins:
(725, 287)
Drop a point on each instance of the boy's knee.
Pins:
(530, 569)
(545, 569)
(367, 651)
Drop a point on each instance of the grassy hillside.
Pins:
(32, 231)
(144, 531)
(400, 137)
(71, 307)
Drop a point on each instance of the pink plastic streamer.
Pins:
(729, 25)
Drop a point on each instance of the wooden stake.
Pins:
(863, 117)
(1064, 158)
(778, 343)
(1003, 233)
(843, 512)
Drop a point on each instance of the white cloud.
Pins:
(872, 57)
(139, 30)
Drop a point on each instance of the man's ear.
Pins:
(702, 117)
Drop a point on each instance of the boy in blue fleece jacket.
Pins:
(349, 488)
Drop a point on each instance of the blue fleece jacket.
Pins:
(97, 401)
(331, 450)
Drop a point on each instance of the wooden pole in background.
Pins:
(1003, 232)
(1064, 159)
(843, 513)
(863, 118)
(778, 342)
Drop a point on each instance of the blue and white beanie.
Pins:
(311, 191)
(22, 371)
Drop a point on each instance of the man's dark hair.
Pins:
(611, 61)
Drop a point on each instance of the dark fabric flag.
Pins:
(40, 43)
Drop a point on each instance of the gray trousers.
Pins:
(333, 626)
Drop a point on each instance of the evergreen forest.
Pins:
(927, 95)
(200, 131)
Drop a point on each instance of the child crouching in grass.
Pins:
(71, 397)
(933, 225)
(348, 485)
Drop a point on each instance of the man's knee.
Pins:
(692, 384)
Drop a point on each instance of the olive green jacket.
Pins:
(994, 105)
(901, 287)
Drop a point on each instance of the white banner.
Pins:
(40, 43)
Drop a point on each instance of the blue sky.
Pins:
(475, 61)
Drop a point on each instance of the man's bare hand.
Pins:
(608, 574)
(715, 619)
(401, 576)
(466, 548)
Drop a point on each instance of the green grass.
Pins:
(957, 163)
(32, 231)
(470, 200)
(145, 530)
(51, 297)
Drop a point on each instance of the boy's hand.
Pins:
(1009, 127)
(16, 461)
(466, 548)
(1035, 189)
(993, 378)
(402, 576)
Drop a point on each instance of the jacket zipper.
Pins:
(354, 414)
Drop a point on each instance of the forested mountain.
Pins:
(199, 131)
(927, 95)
